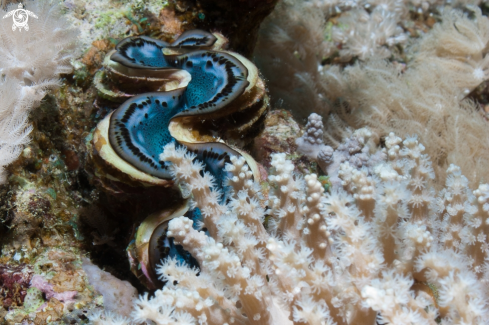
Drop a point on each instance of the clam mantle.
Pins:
(191, 92)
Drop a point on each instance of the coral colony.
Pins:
(366, 218)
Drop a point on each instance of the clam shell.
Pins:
(190, 127)
(253, 93)
(220, 44)
(233, 124)
(118, 82)
(106, 90)
(146, 238)
(195, 38)
(109, 165)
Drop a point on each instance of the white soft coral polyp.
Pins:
(30, 65)
(377, 248)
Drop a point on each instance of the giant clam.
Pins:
(192, 92)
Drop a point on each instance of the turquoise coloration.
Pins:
(194, 38)
(215, 156)
(146, 52)
(141, 51)
(138, 129)
(161, 246)
(217, 79)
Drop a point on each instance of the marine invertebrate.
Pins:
(378, 95)
(47, 288)
(196, 81)
(31, 63)
(298, 40)
(423, 90)
(377, 248)
(311, 142)
(358, 149)
(151, 244)
(100, 19)
(212, 84)
(366, 34)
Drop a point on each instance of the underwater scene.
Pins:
(246, 162)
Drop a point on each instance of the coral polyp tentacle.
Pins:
(214, 156)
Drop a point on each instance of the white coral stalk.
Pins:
(186, 171)
(409, 256)
(225, 265)
(286, 198)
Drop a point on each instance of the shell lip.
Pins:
(220, 44)
(119, 55)
(128, 40)
(109, 156)
(157, 232)
(165, 79)
(195, 38)
(231, 150)
(245, 86)
(105, 91)
(118, 120)
(147, 236)
(251, 72)
(146, 229)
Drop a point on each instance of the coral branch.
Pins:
(382, 246)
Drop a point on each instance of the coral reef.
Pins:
(100, 20)
(44, 205)
(366, 34)
(14, 282)
(167, 19)
(359, 149)
(279, 134)
(47, 289)
(311, 142)
(393, 233)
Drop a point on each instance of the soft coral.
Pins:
(30, 65)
